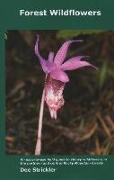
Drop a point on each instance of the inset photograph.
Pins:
(59, 92)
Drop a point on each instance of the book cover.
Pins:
(57, 90)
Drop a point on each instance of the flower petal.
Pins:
(37, 49)
(43, 62)
(61, 54)
(59, 75)
(51, 66)
(75, 63)
(51, 57)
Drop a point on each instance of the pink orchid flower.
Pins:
(55, 68)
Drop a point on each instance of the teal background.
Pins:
(10, 19)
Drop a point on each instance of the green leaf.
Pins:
(103, 74)
(73, 33)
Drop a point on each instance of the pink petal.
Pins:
(75, 63)
(37, 49)
(51, 66)
(43, 62)
(61, 54)
(59, 75)
(51, 57)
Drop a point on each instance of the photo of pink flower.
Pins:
(59, 92)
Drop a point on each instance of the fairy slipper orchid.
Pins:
(55, 67)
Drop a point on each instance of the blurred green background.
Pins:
(85, 124)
